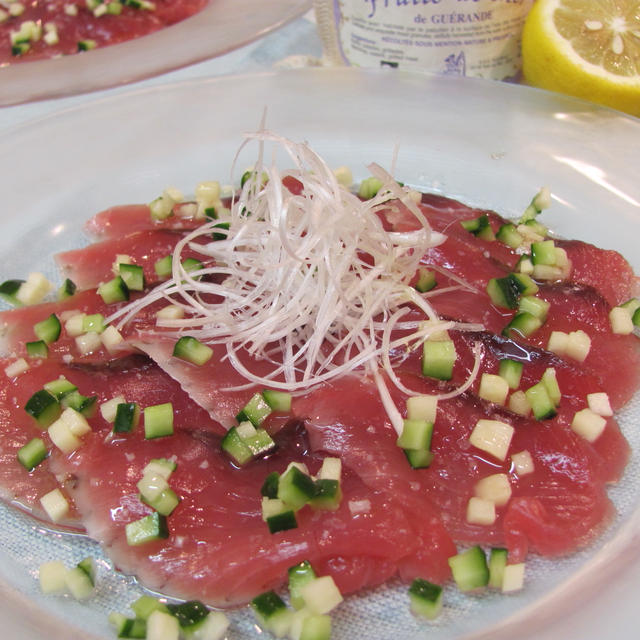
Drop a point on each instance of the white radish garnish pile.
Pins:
(310, 283)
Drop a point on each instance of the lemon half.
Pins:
(585, 48)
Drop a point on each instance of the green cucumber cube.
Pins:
(158, 421)
(299, 575)
(192, 350)
(48, 330)
(438, 358)
(66, 289)
(189, 614)
(425, 598)
(416, 434)
(272, 613)
(147, 529)
(497, 563)
(296, 488)
(37, 349)
(144, 606)
(426, 280)
(164, 267)
(419, 458)
(32, 454)
(127, 417)
(269, 487)
(327, 496)
(255, 411)
(60, 387)
(133, 276)
(43, 407)
(511, 371)
(277, 400)
(8, 291)
(542, 406)
(114, 291)
(236, 448)
(469, 569)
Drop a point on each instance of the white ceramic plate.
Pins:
(223, 25)
(490, 144)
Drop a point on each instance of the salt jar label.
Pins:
(454, 37)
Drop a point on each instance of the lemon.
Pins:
(585, 48)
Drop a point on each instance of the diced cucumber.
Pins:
(416, 434)
(535, 306)
(315, 627)
(133, 276)
(327, 496)
(127, 417)
(255, 411)
(147, 529)
(127, 627)
(66, 289)
(503, 292)
(425, 598)
(511, 371)
(164, 267)
(88, 565)
(469, 569)
(419, 458)
(48, 330)
(497, 563)
(158, 421)
(426, 280)
(272, 613)
(523, 324)
(37, 349)
(145, 605)
(213, 627)
(438, 359)
(191, 264)
(299, 575)
(223, 233)
(79, 583)
(369, 187)
(43, 407)
(114, 291)
(479, 227)
(259, 443)
(277, 400)
(269, 487)
(282, 521)
(32, 454)
(8, 291)
(60, 387)
(164, 503)
(93, 322)
(537, 227)
(235, 447)
(189, 613)
(192, 350)
(86, 405)
(543, 252)
(295, 488)
(508, 234)
(160, 466)
(541, 404)
(550, 382)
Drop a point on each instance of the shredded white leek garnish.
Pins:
(311, 283)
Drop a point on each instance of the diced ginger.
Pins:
(519, 403)
(88, 342)
(111, 338)
(495, 487)
(74, 325)
(599, 403)
(62, 437)
(588, 424)
(522, 463)
(422, 408)
(75, 422)
(34, 289)
(578, 345)
(321, 595)
(51, 576)
(481, 511)
(557, 342)
(331, 469)
(492, 436)
(621, 321)
(513, 577)
(493, 388)
(16, 368)
(55, 505)
(170, 312)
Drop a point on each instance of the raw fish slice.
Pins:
(355, 427)
(92, 265)
(136, 378)
(219, 549)
(16, 328)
